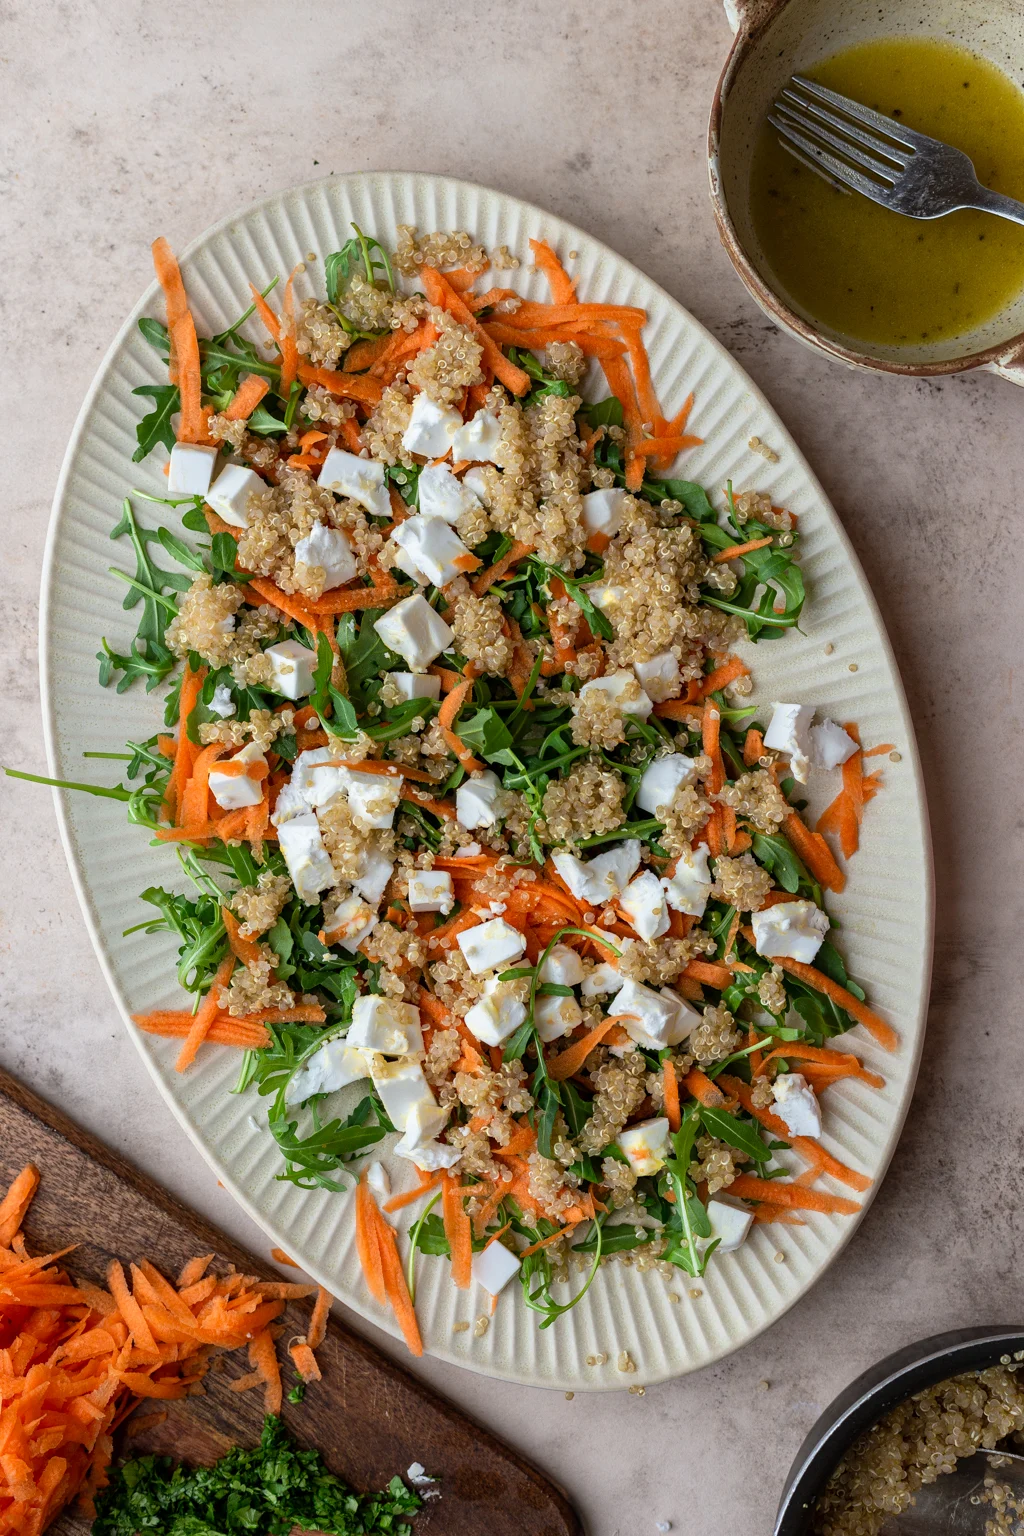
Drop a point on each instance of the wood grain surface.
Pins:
(368, 1417)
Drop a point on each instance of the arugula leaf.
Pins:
(157, 335)
(343, 719)
(263, 423)
(605, 413)
(486, 733)
(155, 427)
(266, 1491)
(776, 854)
(736, 1133)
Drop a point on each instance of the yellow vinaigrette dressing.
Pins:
(878, 276)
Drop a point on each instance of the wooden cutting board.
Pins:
(368, 1417)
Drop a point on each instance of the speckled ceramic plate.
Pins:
(842, 662)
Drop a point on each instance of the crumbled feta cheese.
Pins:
(556, 1016)
(478, 439)
(690, 885)
(415, 631)
(307, 859)
(796, 1104)
(232, 791)
(494, 1266)
(607, 596)
(222, 702)
(292, 667)
(467, 851)
(430, 551)
(440, 494)
(662, 778)
(562, 967)
(381, 1024)
(600, 879)
(378, 1180)
(491, 944)
(374, 798)
(403, 1089)
(419, 1144)
(191, 469)
(478, 801)
(354, 920)
(791, 929)
(789, 733)
(643, 902)
(431, 890)
(651, 1016)
(660, 678)
(498, 1013)
(431, 428)
(603, 981)
(602, 510)
(329, 548)
(415, 685)
(684, 1020)
(730, 1222)
(361, 480)
(830, 744)
(376, 872)
(646, 1145)
(476, 481)
(617, 685)
(334, 1065)
(229, 494)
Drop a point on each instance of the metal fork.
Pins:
(860, 150)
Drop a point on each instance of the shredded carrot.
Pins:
(666, 447)
(399, 1202)
(263, 1358)
(317, 1331)
(880, 1031)
(703, 1089)
(563, 289)
(545, 1242)
(776, 1192)
(710, 973)
(723, 675)
(350, 386)
(304, 1361)
(282, 1258)
(495, 572)
(367, 1245)
(446, 717)
(247, 397)
(184, 354)
(670, 1080)
(440, 292)
(885, 746)
(753, 747)
(740, 549)
(16, 1202)
(396, 1287)
(205, 1015)
(815, 852)
(570, 1061)
(458, 1231)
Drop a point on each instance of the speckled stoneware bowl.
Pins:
(840, 660)
(778, 38)
(873, 1394)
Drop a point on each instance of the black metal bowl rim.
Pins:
(877, 1390)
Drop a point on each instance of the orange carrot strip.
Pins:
(811, 1151)
(185, 752)
(563, 289)
(441, 293)
(184, 358)
(458, 1231)
(722, 676)
(710, 973)
(205, 1015)
(317, 1330)
(571, 1060)
(545, 1242)
(350, 386)
(815, 852)
(263, 1358)
(130, 1309)
(670, 1078)
(703, 1089)
(396, 1287)
(740, 549)
(880, 1031)
(775, 1192)
(247, 397)
(711, 725)
(304, 1361)
(16, 1202)
(620, 382)
(495, 572)
(667, 447)
(399, 1202)
(282, 1258)
(446, 717)
(753, 747)
(367, 1246)
(885, 746)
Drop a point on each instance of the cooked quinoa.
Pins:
(413, 816)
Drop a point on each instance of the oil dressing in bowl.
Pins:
(874, 276)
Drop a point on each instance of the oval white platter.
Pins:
(886, 911)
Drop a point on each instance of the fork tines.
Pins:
(851, 145)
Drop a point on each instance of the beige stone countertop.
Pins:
(122, 120)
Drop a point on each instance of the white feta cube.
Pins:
(378, 1180)
(651, 1016)
(429, 550)
(292, 666)
(479, 481)
(381, 1024)
(660, 678)
(431, 428)
(191, 469)
(690, 885)
(354, 920)
(403, 1091)
(730, 1222)
(792, 930)
(796, 1104)
(646, 1145)
(440, 494)
(334, 1065)
(373, 799)
(420, 1146)
(830, 744)
(478, 801)
(222, 702)
(331, 550)
(603, 981)
(307, 859)
(643, 902)
(661, 779)
(316, 779)
(602, 510)
(235, 788)
(600, 879)
(415, 631)
(624, 692)
(361, 480)
(415, 685)
(562, 967)
(684, 1019)
(492, 944)
(431, 890)
(477, 439)
(377, 870)
(556, 1016)
(498, 1013)
(494, 1266)
(789, 733)
(229, 494)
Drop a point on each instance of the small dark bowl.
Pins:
(870, 1398)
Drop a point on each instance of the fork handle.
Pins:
(994, 202)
